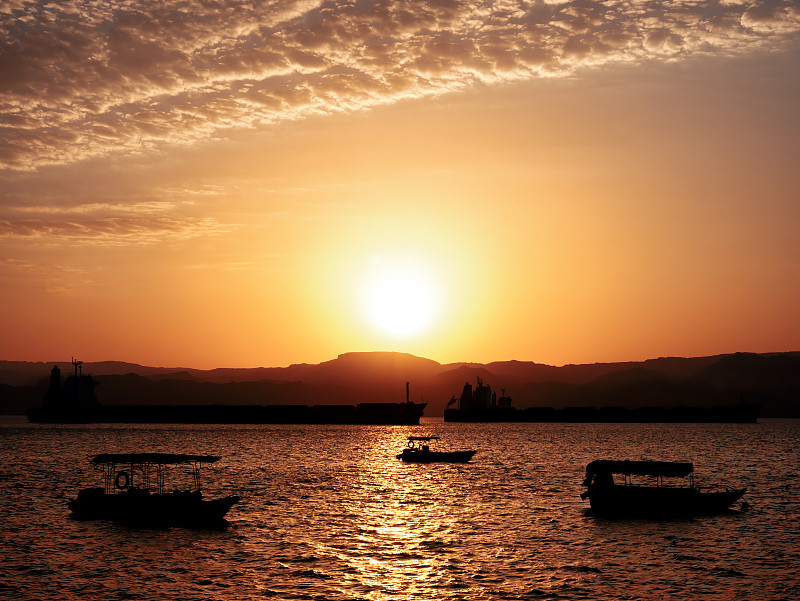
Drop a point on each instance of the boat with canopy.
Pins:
(135, 492)
(652, 488)
(419, 451)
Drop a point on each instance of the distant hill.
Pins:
(770, 379)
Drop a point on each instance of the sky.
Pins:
(232, 183)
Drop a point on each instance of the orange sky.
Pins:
(559, 182)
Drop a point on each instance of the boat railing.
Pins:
(420, 443)
(143, 476)
(639, 481)
(658, 481)
(653, 485)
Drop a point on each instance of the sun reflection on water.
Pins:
(398, 537)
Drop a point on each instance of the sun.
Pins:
(400, 297)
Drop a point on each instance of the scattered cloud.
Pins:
(139, 209)
(43, 277)
(85, 78)
(111, 231)
(260, 263)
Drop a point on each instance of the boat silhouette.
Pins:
(652, 488)
(134, 492)
(419, 451)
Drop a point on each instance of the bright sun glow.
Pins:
(400, 298)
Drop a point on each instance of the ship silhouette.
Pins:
(481, 404)
(75, 401)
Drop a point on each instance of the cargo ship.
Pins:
(480, 405)
(75, 402)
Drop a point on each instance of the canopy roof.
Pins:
(161, 458)
(641, 468)
(423, 438)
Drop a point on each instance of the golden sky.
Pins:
(214, 183)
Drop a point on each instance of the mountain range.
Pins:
(771, 380)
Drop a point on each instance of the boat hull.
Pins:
(141, 508)
(660, 501)
(415, 456)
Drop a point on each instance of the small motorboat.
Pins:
(134, 492)
(652, 488)
(419, 451)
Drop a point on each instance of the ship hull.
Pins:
(363, 413)
(726, 414)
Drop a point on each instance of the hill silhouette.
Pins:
(769, 379)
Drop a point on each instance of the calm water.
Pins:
(329, 513)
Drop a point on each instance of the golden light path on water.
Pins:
(392, 512)
(384, 553)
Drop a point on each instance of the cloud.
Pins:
(111, 231)
(135, 208)
(83, 78)
(43, 277)
(164, 214)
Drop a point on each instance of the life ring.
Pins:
(122, 481)
(410, 444)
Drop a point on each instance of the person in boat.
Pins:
(599, 479)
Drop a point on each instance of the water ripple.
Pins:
(327, 512)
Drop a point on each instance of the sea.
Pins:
(329, 513)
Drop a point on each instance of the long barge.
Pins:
(362, 413)
(75, 403)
